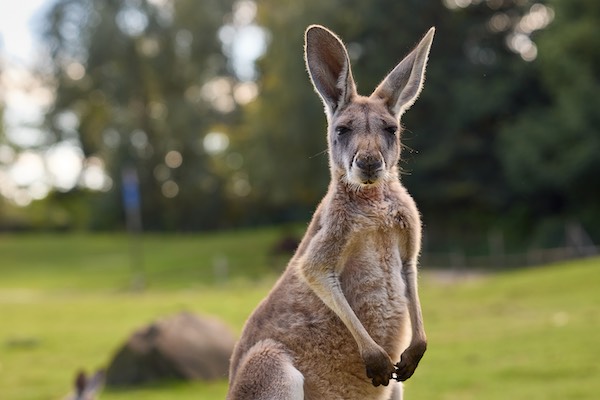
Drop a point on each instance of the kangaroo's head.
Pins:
(363, 132)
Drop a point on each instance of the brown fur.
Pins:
(347, 306)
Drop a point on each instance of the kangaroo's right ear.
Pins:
(329, 67)
(402, 86)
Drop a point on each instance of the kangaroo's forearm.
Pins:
(410, 358)
(320, 267)
(409, 274)
(327, 287)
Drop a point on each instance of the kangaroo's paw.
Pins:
(379, 367)
(409, 360)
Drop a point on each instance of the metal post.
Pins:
(133, 217)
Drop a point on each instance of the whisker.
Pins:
(403, 171)
(318, 154)
(410, 149)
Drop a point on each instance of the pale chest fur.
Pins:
(373, 285)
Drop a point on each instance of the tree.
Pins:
(131, 79)
(554, 143)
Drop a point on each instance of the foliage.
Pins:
(129, 78)
(504, 134)
(555, 141)
(524, 334)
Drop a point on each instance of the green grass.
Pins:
(529, 334)
(47, 336)
(104, 261)
(65, 304)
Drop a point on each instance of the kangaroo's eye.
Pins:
(391, 130)
(341, 130)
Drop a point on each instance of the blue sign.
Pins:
(131, 190)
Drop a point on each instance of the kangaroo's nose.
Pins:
(368, 163)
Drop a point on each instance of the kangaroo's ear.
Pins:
(329, 67)
(402, 86)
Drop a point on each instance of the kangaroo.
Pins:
(87, 388)
(347, 304)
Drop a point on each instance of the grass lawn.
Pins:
(66, 304)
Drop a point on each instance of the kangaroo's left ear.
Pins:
(402, 86)
(329, 67)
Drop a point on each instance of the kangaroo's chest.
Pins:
(372, 282)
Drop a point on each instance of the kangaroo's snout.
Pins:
(367, 168)
(368, 163)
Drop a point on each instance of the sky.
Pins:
(16, 28)
(19, 49)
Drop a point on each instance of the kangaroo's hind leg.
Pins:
(266, 372)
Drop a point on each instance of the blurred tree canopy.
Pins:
(549, 150)
(131, 80)
(504, 136)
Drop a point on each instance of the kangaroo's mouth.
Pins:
(369, 181)
(361, 177)
(369, 176)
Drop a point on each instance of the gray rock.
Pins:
(183, 347)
